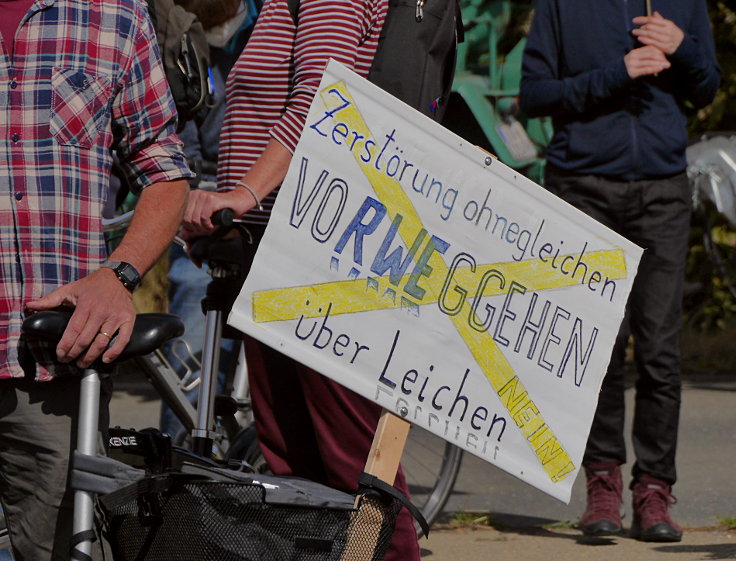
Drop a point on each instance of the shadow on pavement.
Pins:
(704, 552)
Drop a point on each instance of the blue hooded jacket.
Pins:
(606, 123)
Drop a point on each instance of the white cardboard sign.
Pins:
(405, 264)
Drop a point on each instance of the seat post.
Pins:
(202, 435)
(89, 413)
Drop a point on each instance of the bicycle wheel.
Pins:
(430, 465)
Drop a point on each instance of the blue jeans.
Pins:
(188, 285)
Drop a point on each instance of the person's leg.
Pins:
(656, 311)
(285, 432)
(37, 434)
(656, 314)
(345, 424)
(605, 450)
(312, 427)
(605, 201)
(187, 285)
(606, 441)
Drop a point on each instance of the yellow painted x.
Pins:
(351, 296)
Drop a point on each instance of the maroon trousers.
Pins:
(312, 427)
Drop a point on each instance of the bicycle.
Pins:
(712, 173)
(430, 464)
(149, 332)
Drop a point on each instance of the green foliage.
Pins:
(463, 519)
(710, 305)
(152, 295)
(710, 302)
(720, 115)
(728, 522)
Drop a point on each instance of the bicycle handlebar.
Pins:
(117, 222)
(223, 217)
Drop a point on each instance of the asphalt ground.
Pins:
(492, 516)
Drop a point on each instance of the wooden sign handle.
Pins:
(388, 445)
(383, 463)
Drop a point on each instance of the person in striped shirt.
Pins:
(80, 79)
(308, 425)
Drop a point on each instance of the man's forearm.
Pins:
(157, 217)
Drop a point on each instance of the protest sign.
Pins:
(430, 278)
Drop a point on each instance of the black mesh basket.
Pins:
(183, 517)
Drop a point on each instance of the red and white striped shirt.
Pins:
(271, 86)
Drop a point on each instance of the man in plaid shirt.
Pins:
(78, 79)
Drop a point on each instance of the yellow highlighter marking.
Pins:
(351, 296)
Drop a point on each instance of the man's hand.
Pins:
(658, 32)
(103, 315)
(645, 61)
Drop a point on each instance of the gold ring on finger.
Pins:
(106, 334)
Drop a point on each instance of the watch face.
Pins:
(128, 275)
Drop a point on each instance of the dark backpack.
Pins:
(417, 51)
(185, 54)
(416, 55)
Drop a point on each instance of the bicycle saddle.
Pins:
(149, 332)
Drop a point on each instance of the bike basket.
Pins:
(242, 517)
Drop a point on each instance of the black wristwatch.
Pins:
(126, 273)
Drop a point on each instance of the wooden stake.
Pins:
(388, 445)
(383, 462)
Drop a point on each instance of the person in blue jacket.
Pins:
(616, 77)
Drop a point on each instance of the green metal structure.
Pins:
(484, 106)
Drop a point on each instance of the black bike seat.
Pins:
(149, 332)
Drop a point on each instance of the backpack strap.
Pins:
(294, 10)
(369, 481)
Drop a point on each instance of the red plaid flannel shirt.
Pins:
(85, 79)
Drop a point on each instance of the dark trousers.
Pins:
(312, 427)
(38, 430)
(654, 214)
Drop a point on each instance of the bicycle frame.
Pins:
(199, 421)
(436, 468)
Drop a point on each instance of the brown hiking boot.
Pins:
(652, 522)
(602, 515)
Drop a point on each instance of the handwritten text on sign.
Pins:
(458, 294)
